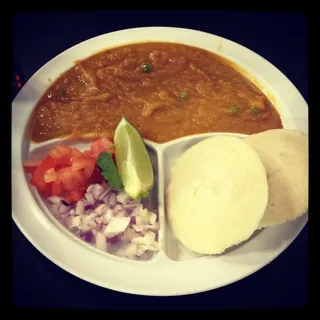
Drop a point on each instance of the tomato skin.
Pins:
(37, 179)
(83, 162)
(57, 188)
(71, 179)
(74, 195)
(96, 176)
(76, 153)
(31, 166)
(101, 145)
(62, 154)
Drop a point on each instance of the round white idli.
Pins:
(217, 195)
(284, 154)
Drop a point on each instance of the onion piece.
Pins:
(112, 199)
(96, 191)
(80, 207)
(147, 239)
(105, 199)
(137, 210)
(130, 250)
(108, 216)
(123, 198)
(141, 220)
(117, 208)
(88, 236)
(89, 189)
(54, 200)
(152, 218)
(116, 225)
(104, 193)
(90, 217)
(101, 242)
(63, 209)
(75, 222)
(101, 209)
(89, 197)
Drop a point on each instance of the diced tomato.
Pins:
(31, 166)
(76, 152)
(96, 176)
(62, 154)
(50, 175)
(57, 188)
(37, 178)
(83, 162)
(101, 145)
(71, 179)
(74, 195)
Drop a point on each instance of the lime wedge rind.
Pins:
(133, 160)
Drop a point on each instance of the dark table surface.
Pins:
(281, 38)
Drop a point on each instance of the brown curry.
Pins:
(166, 90)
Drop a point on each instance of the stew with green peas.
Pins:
(167, 90)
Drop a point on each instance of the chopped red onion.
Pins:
(137, 210)
(115, 239)
(96, 191)
(104, 193)
(88, 236)
(130, 205)
(54, 200)
(101, 242)
(109, 215)
(105, 199)
(90, 207)
(112, 199)
(63, 209)
(89, 197)
(133, 220)
(116, 225)
(123, 198)
(101, 209)
(80, 207)
(117, 208)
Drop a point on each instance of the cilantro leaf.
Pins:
(109, 170)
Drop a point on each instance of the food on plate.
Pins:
(217, 195)
(133, 160)
(84, 191)
(214, 188)
(284, 154)
(166, 90)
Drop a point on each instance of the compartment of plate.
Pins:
(173, 248)
(34, 152)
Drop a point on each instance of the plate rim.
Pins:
(119, 288)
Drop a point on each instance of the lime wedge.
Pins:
(133, 161)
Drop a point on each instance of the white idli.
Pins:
(217, 195)
(284, 154)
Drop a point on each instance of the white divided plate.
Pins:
(174, 270)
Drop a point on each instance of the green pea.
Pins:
(184, 96)
(146, 67)
(234, 109)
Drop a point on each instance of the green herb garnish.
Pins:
(146, 67)
(109, 170)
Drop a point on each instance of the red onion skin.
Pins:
(115, 238)
(87, 236)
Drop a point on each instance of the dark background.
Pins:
(281, 38)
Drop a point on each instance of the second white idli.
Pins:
(284, 154)
(217, 195)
